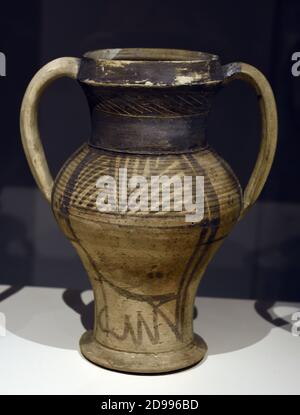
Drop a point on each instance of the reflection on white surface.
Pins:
(247, 353)
(58, 317)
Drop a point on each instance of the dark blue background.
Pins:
(261, 257)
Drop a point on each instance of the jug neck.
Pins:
(149, 120)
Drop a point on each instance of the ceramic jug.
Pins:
(149, 110)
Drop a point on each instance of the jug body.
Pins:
(120, 200)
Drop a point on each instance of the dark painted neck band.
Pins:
(148, 135)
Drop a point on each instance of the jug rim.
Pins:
(149, 67)
(149, 55)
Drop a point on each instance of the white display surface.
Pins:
(39, 351)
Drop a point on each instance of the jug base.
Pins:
(131, 362)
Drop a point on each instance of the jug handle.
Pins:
(269, 127)
(30, 135)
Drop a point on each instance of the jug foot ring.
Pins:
(142, 362)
